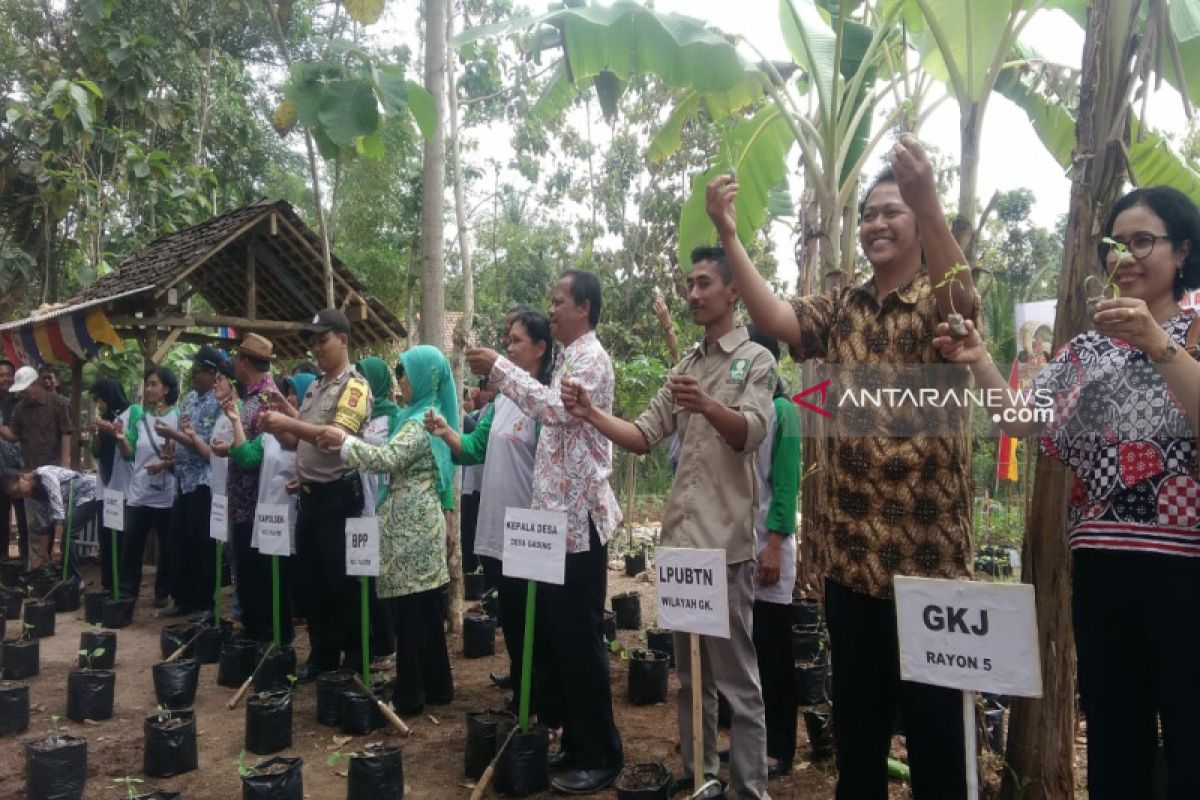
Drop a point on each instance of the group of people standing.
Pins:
(364, 439)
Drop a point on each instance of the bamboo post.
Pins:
(697, 714)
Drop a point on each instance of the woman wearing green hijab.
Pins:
(412, 529)
(384, 422)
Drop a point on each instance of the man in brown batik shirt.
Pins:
(897, 483)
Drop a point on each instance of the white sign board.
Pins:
(535, 545)
(693, 596)
(274, 532)
(114, 510)
(218, 518)
(362, 546)
(969, 635)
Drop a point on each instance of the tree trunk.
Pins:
(433, 190)
(463, 331)
(970, 131)
(1041, 733)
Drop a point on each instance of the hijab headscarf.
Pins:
(116, 402)
(379, 378)
(432, 383)
(300, 384)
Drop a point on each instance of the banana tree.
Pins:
(843, 66)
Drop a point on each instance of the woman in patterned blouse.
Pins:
(413, 543)
(1122, 402)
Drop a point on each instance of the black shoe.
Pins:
(559, 762)
(585, 781)
(685, 786)
(501, 681)
(308, 674)
(779, 769)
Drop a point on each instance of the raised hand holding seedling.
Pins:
(954, 320)
(914, 174)
(718, 200)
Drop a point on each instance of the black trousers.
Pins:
(194, 565)
(512, 593)
(22, 529)
(574, 686)
(468, 518)
(1137, 635)
(383, 632)
(422, 660)
(777, 671)
(331, 597)
(139, 520)
(254, 579)
(866, 693)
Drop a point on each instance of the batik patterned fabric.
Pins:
(893, 505)
(574, 460)
(1129, 444)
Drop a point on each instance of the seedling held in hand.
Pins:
(958, 328)
(1108, 290)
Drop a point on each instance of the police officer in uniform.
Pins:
(329, 494)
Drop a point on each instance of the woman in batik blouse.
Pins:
(1118, 406)
(413, 544)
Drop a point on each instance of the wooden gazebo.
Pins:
(257, 268)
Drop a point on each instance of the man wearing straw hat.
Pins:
(330, 493)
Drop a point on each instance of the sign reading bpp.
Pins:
(362, 546)
(969, 635)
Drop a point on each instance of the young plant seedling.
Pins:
(958, 328)
(291, 679)
(130, 784)
(244, 769)
(27, 631)
(620, 649)
(1108, 290)
(88, 655)
(164, 714)
(56, 729)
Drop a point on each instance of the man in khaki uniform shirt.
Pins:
(330, 493)
(717, 401)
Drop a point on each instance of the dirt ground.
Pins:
(433, 754)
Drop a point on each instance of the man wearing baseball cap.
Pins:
(39, 423)
(196, 555)
(330, 493)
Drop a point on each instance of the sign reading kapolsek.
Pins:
(535, 545)
(969, 635)
(274, 529)
(692, 591)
